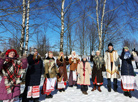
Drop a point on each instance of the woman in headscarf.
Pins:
(51, 72)
(73, 61)
(128, 82)
(84, 71)
(11, 68)
(97, 77)
(62, 63)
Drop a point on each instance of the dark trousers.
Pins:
(136, 65)
(84, 88)
(114, 80)
(109, 82)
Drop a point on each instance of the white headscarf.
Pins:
(72, 55)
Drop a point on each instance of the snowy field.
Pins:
(75, 95)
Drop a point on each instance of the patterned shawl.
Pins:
(99, 61)
(127, 55)
(12, 70)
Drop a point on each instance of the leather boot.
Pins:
(94, 88)
(99, 89)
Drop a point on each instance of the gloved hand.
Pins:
(58, 75)
(67, 59)
(47, 75)
(61, 59)
(134, 54)
(93, 53)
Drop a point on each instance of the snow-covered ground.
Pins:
(75, 95)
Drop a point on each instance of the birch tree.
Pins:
(23, 28)
(60, 11)
(62, 25)
(27, 27)
(100, 22)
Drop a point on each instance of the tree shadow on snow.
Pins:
(43, 97)
(119, 89)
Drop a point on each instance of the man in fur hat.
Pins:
(112, 63)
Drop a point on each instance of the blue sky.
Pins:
(48, 18)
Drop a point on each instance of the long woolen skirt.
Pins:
(71, 81)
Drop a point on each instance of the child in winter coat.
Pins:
(84, 71)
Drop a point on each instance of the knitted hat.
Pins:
(110, 44)
(84, 56)
(125, 47)
(98, 51)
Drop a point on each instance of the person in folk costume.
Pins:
(11, 69)
(51, 72)
(112, 65)
(97, 77)
(128, 81)
(84, 71)
(73, 61)
(62, 62)
(33, 77)
(135, 55)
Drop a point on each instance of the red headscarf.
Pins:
(10, 50)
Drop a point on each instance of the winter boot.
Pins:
(49, 96)
(115, 85)
(109, 88)
(71, 86)
(36, 100)
(129, 94)
(94, 88)
(84, 92)
(115, 88)
(60, 90)
(99, 89)
(63, 90)
(125, 93)
(109, 85)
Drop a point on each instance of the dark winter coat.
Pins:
(34, 71)
(97, 72)
(127, 67)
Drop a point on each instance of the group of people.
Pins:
(12, 67)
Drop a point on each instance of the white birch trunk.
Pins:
(62, 25)
(100, 28)
(27, 28)
(23, 28)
